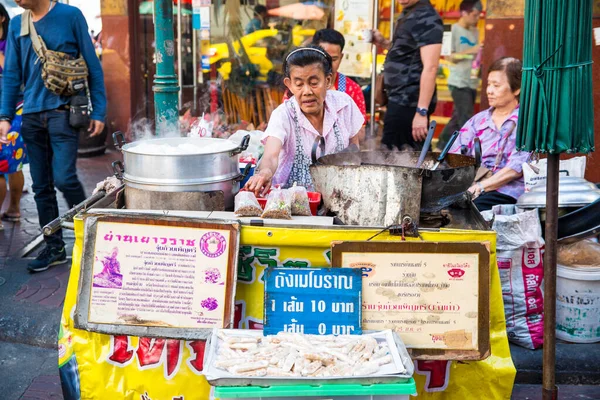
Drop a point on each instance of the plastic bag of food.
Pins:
(246, 205)
(300, 204)
(585, 253)
(279, 204)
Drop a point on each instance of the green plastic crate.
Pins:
(391, 391)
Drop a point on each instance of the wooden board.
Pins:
(434, 294)
(157, 276)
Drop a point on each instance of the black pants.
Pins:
(464, 108)
(397, 126)
(487, 200)
(52, 149)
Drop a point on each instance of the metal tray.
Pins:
(217, 377)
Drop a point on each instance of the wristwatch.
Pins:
(481, 187)
(422, 111)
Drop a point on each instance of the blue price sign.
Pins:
(321, 301)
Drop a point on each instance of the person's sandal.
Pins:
(10, 218)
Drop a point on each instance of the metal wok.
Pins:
(373, 188)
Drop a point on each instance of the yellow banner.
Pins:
(118, 367)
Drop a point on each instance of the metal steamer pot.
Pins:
(375, 188)
(202, 181)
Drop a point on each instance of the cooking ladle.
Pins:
(427, 143)
(447, 148)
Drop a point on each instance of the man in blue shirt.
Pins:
(51, 142)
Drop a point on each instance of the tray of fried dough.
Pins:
(237, 357)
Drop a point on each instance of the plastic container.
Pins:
(578, 304)
(314, 200)
(391, 391)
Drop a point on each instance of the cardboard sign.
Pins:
(434, 295)
(173, 275)
(320, 301)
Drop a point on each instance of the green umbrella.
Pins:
(556, 116)
(557, 112)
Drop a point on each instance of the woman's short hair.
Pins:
(512, 67)
(305, 56)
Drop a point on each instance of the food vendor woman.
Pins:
(312, 112)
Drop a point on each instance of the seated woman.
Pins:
(496, 128)
(312, 112)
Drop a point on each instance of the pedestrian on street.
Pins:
(462, 85)
(410, 71)
(259, 21)
(51, 141)
(12, 156)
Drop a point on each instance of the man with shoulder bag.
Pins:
(50, 52)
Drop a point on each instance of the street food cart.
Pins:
(133, 358)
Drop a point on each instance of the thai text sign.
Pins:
(321, 301)
(434, 295)
(157, 275)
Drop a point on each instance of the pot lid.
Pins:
(181, 146)
(572, 192)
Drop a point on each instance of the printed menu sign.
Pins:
(160, 275)
(352, 18)
(320, 301)
(432, 294)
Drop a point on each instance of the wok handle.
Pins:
(243, 146)
(118, 169)
(477, 147)
(448, 146)
(319, 141)
(119, 139)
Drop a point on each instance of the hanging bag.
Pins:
(62, 74)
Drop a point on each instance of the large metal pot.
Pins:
(196, 180)
(374, 188)
(573, 193)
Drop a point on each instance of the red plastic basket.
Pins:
(314, 200)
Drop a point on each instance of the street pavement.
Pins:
(31, 306)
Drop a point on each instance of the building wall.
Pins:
(504, 37)
(117, 63)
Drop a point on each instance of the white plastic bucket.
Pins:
(578, 304)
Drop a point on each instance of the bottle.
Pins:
(67, 367)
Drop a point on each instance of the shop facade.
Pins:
(238, 88)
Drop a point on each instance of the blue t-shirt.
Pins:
(63, 29)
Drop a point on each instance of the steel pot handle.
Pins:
(477, 147)
(118, 169)
(243, 145)
(244, 174)
(319, 141)
(119, 139)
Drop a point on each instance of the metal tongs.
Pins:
(447, 148)
(427, 143)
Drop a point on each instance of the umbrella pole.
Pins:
(549, 389)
